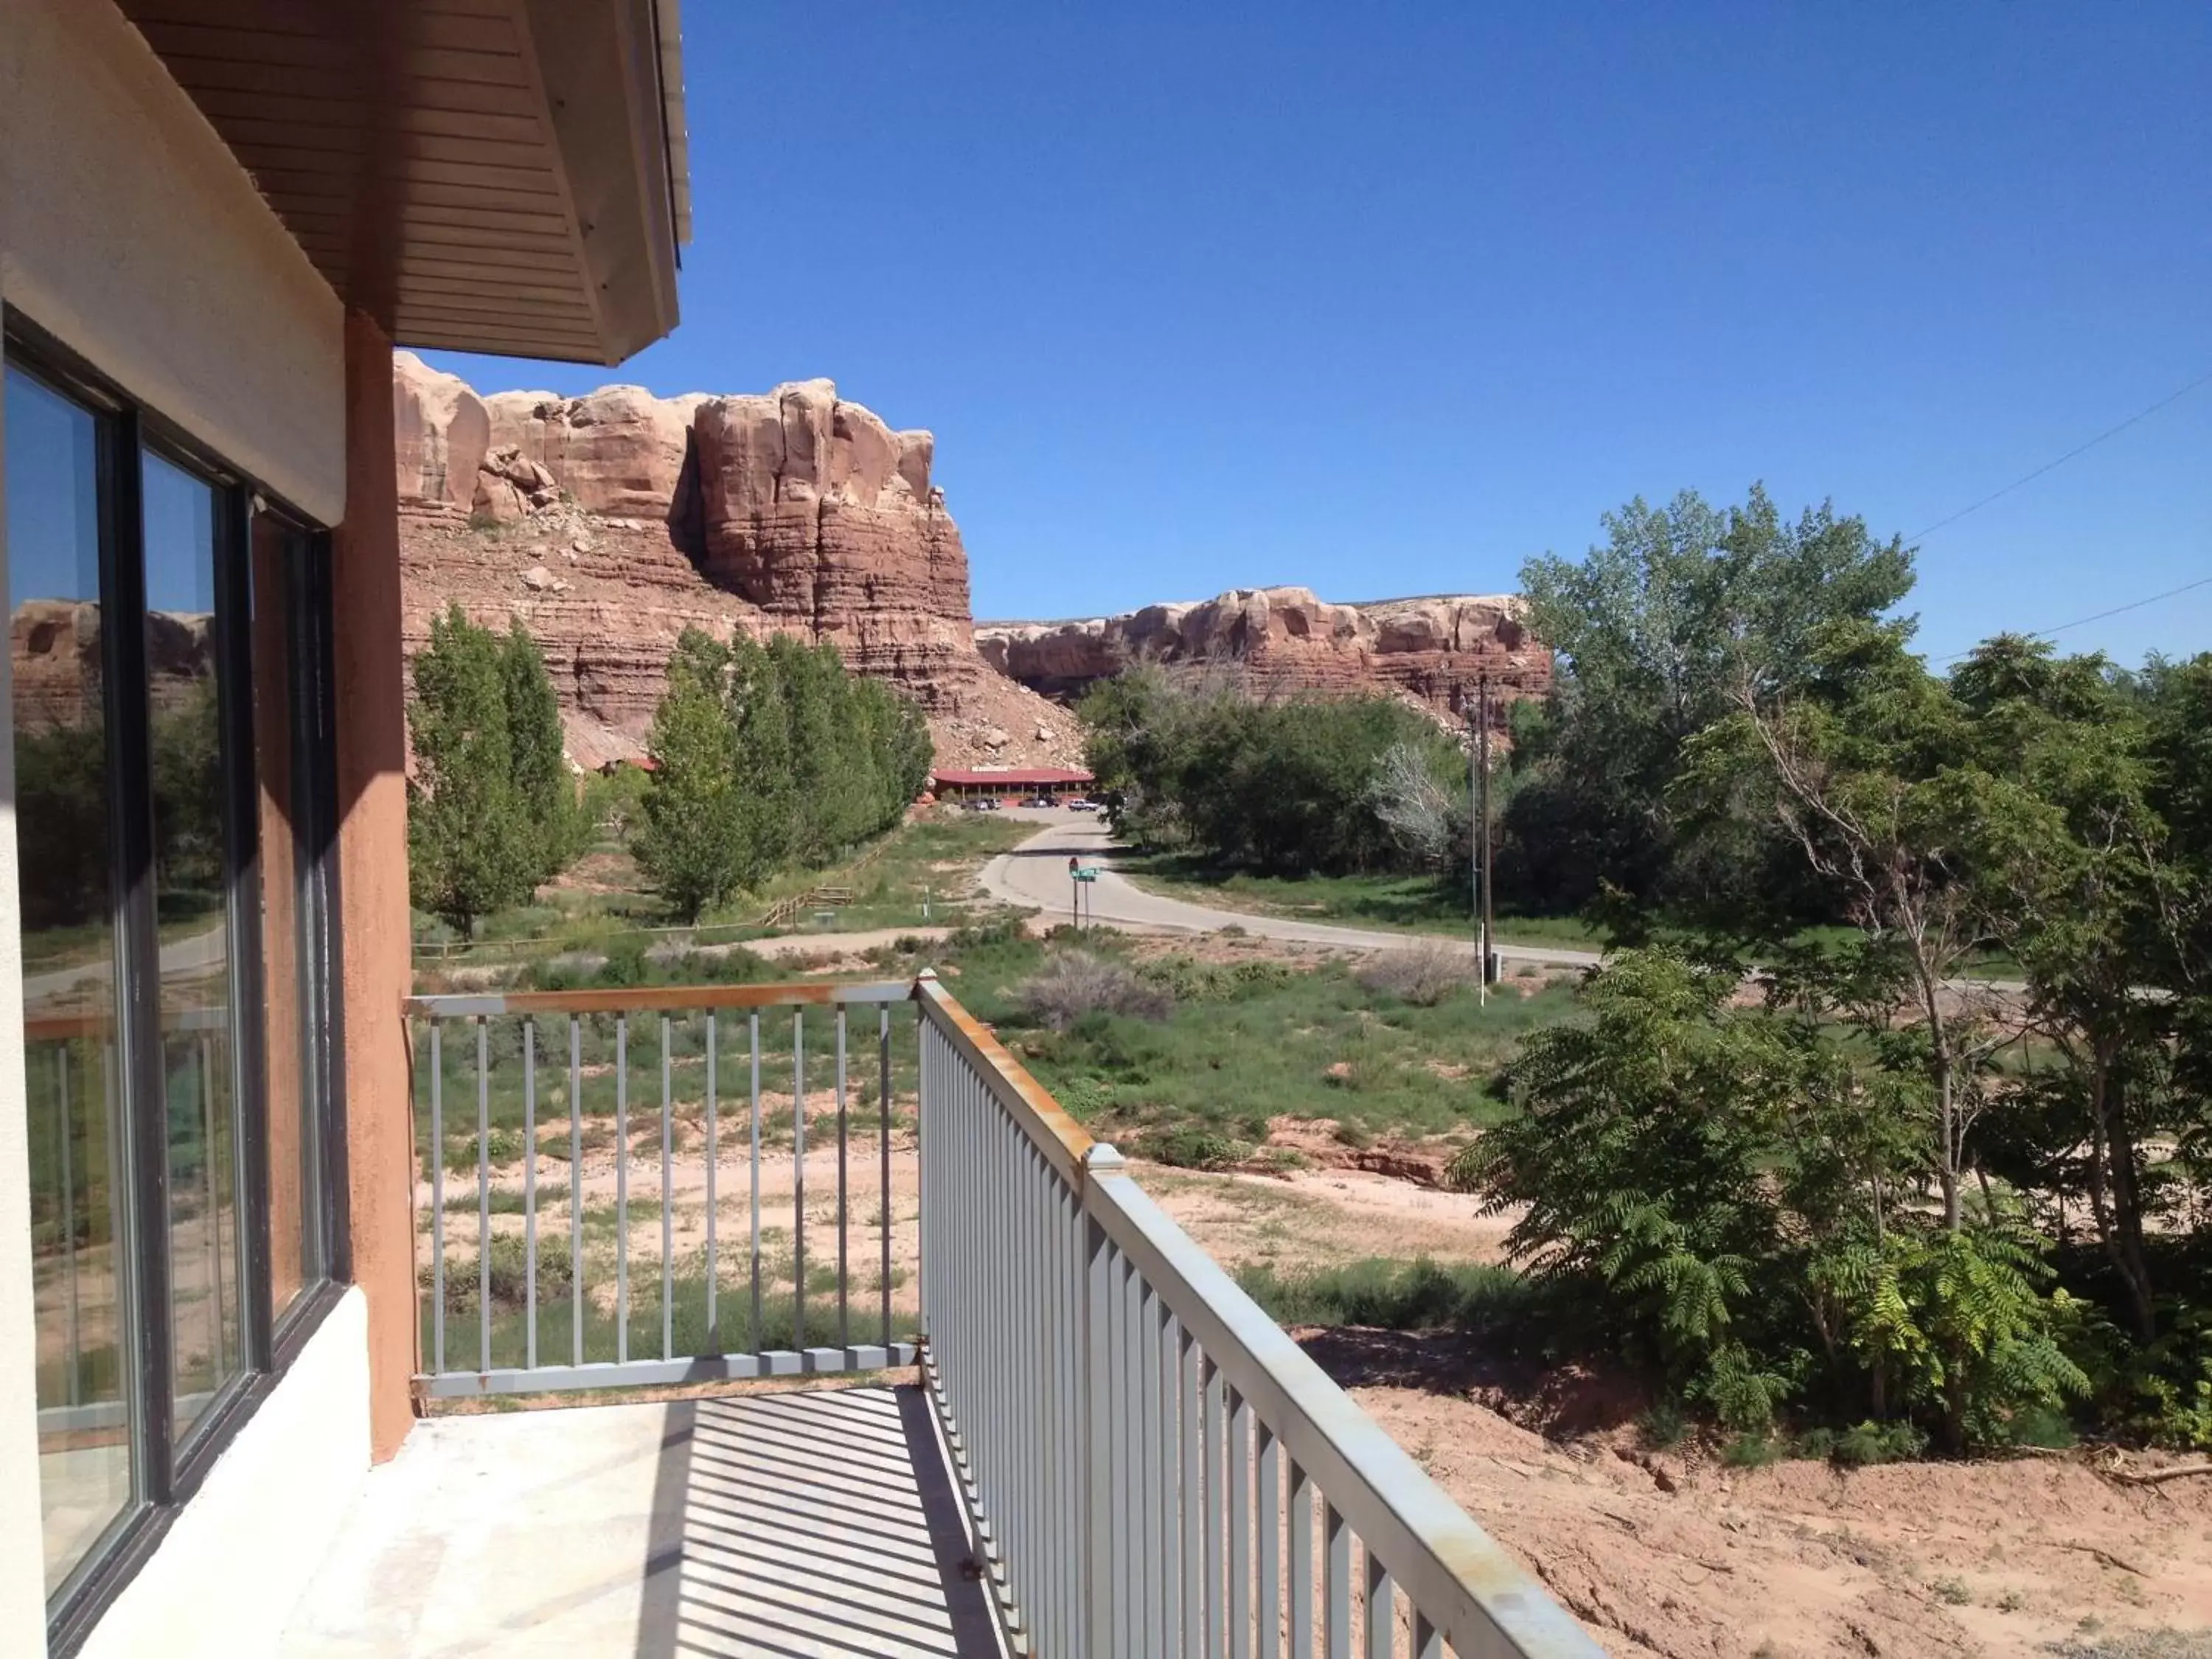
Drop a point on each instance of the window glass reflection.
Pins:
(63, 814)
(192, 915)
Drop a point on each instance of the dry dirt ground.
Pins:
(1682, 1556)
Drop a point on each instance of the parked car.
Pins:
(1083, 807)
(981, 804)
(1041, 801)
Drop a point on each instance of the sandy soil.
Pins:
(1684, 1557)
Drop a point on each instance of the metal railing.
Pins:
(518, 1308)
(1152, 1465)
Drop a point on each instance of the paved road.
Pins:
(1035, 874)
(192, 955)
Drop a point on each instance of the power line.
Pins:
(2030, 477)
(2083, 622)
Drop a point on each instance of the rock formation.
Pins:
(1284, 640)
(54, 646)
(611, 523)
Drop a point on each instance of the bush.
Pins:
(1192, 1148)
(1074, 984)
(1423, 974)
(1399, 1296)
(510, 1285)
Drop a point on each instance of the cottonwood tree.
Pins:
(696, 845)
(541, 778)
(1655, 629)
(471, 846)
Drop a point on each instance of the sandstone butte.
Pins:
(610, 522)
(1282, 642)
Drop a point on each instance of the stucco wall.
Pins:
(129, 231)
(244, 1550)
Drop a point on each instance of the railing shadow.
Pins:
(809, 1524)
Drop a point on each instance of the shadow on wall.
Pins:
(813, 1524)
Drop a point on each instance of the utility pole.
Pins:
(1482, 764)
(1474, 855)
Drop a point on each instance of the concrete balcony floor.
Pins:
(814, 1523)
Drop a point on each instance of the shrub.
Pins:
(509, 1275)
(1877, 1442)
(1074, 984)
(1423, 974)
(1664, 1427)
(1192, 1148)
(1750, 1451)
(1401, 1295)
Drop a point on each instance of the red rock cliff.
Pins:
(611, 523)
(1285, 641)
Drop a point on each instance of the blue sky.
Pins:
(1383, 299)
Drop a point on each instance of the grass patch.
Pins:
(1391, 1295)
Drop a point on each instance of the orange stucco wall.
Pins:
(372, 734)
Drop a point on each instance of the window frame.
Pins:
(165, 1473)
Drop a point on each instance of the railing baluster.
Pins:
(214, 1228)
(576, 1191)
(483, 1194)
(437, 1199)
(1270, 1512)
(883, 1158)
(1381, 1609)
(667, 1202)
(1098, 1480)
(1240, 1528)
(1216, 1430)
(756, 1337)
(530, 1194)
(799, 1343)
(622, 1189)
(67, 1135)
(1336, 1574)
(1299, 1526)
(1428, 1644)
(844, 1216)
(1190, 1400)
(1147, 1360)
(713, 1158)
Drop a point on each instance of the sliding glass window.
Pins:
(172, 824)
(64, 812)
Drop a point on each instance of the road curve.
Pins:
(1034, 876)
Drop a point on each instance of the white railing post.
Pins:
(1096, 1401)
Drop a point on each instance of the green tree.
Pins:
(1301, 785)
(1864, 768)
(1657, 632)
(472, 847)
(541, 778)
(696, 844)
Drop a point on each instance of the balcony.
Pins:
(1109, 1449)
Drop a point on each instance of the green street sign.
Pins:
(1084, 875)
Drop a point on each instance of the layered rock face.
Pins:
(818, 513)
(1285, 641)
(611, 523)
(54, 647)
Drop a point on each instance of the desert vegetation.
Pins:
(1883, 1122)
(763, 760)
